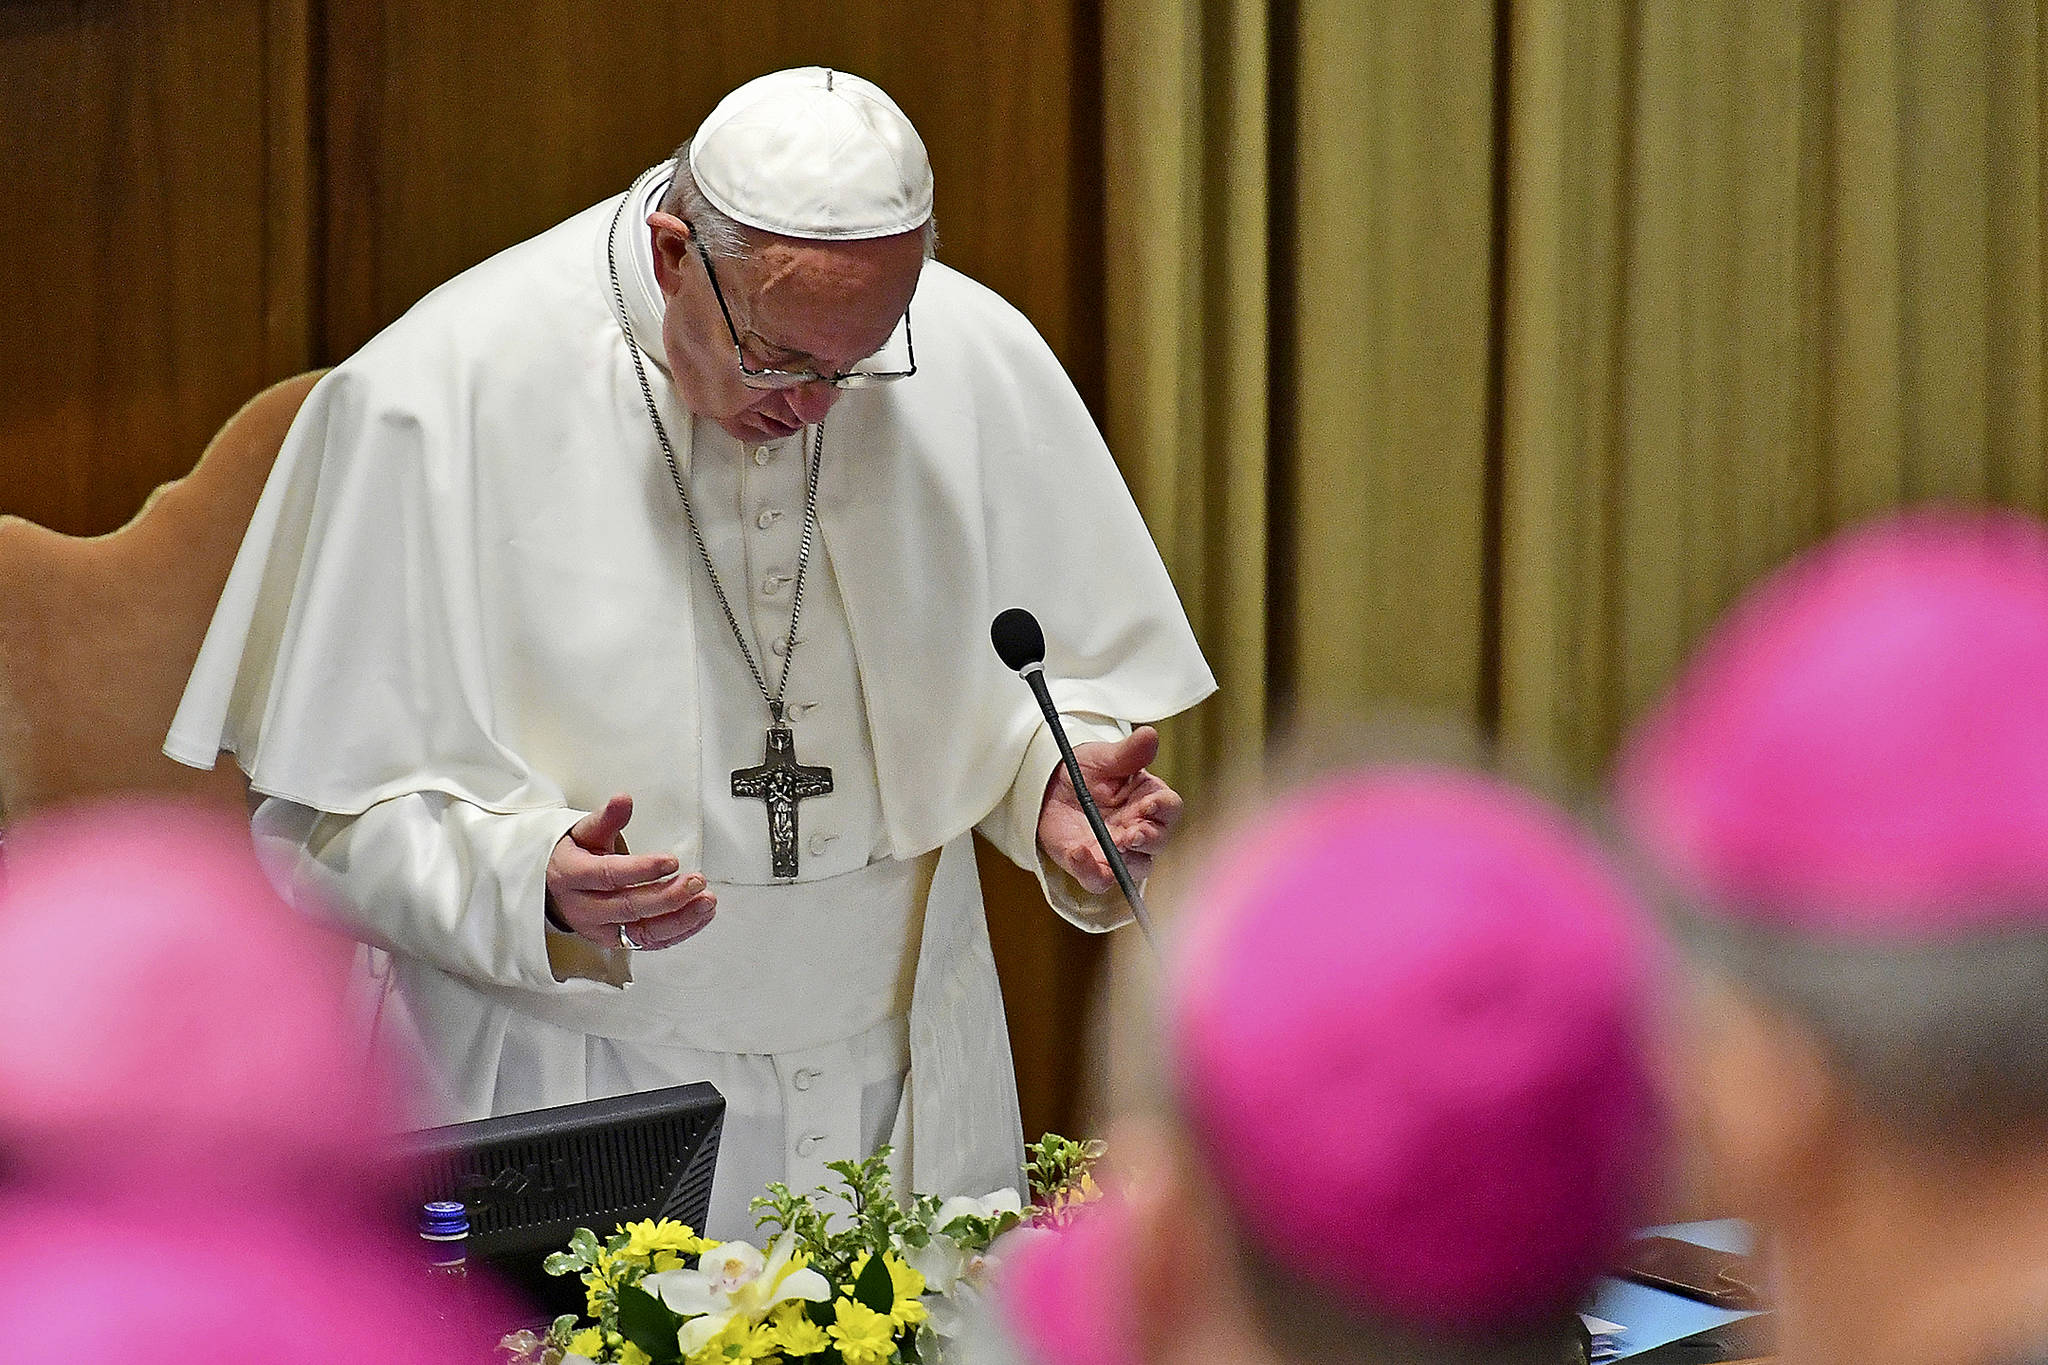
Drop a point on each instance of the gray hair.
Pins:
(1945, 1041)
(724, 236)
(1305, 1323)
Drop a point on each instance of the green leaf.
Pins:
(584, 1243)
(647, 1322)
(561, 1263)
(874, 1288)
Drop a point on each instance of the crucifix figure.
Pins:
(781, 782)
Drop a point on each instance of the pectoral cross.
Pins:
(781, 781)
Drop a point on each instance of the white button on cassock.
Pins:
(802, 1080)
(809, 1143)
(771, 584)
(818, 843)
(769, 516)
(763, 455)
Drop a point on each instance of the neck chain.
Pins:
(803, 559)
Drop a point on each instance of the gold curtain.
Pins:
(1571, 318)
(1186, 330)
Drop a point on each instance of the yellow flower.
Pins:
(737, 1340)
(863, 1336)
(907, 1285)
(646, 1237)
(795, 1333)
(597, 1283)
(588, 1343)
(629, 1354)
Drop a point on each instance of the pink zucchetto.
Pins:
(173, 1284)
(169, 1022)
(1408, 1024)
(1068, 1296)
(1861, 748)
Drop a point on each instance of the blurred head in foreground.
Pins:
(1406, 1111)
(1845, 798)
(192, 1140)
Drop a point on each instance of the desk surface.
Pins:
(1653, 1316)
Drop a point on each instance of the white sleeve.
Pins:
(429, 877)
(1013, 825)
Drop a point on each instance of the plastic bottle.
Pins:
(444, 1233)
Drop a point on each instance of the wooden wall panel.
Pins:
(152, 277)
(457, 128)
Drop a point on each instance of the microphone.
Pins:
(1020, 644)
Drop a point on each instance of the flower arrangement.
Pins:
(882, 1281)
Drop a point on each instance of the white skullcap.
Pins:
(813, 152)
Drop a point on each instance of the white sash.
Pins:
(781, 968)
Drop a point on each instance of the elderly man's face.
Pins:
(796, 304)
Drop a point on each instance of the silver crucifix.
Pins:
(782, 782)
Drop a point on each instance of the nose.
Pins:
(809, 403)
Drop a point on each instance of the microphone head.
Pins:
(1018, 640)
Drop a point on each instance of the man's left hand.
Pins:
(1139, 809)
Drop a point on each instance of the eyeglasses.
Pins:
(756, 378)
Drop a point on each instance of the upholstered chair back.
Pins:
(97, 634)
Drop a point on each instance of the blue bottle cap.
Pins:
(444, 1218)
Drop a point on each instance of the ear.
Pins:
(1183, 1273)
(1764, 1109)
(673, 242)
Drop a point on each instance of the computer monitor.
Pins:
(530, 1180)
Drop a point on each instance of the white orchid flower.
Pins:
(988, 1206)
(720, 1273)
(954, 1312)
(734, 1280)
(942, 1261)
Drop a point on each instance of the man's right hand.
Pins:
(597, 886)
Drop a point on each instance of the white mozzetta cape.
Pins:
(469, 575)
(465, 573)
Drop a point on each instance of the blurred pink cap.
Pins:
(93, 1280)
(1409, 1019)
(1862, 745)
(168, 1017)
(1066, 1293)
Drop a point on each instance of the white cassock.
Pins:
(469, 609)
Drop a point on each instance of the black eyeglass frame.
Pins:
(788, 379)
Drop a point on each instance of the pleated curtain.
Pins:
(1467, 359)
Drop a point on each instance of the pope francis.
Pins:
(691, 513)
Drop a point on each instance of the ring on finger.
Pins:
(626, 940)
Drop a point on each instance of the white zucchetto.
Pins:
(815, 153)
